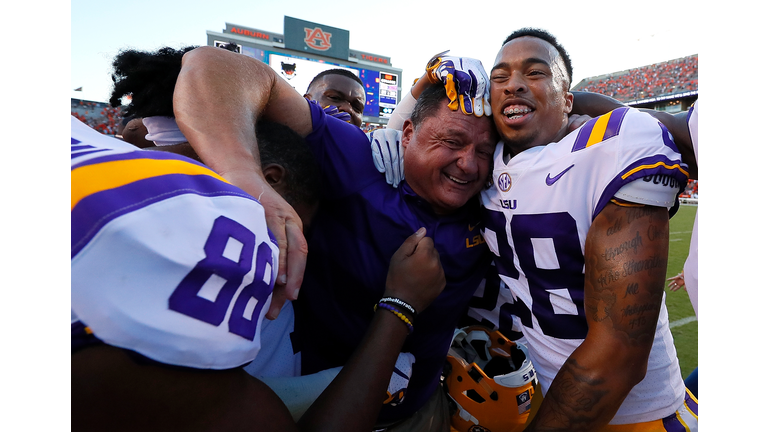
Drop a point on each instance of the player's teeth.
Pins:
(510, 111)
(457, 180)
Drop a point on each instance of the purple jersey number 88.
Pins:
(185, 298)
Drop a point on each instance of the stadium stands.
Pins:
(691, 193)
(98, 115)
(657, 80)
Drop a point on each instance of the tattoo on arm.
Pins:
(625, 269)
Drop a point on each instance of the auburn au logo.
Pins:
(317, 39)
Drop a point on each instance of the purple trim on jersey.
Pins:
(83, 153)
(96, 210)
(584, 132)
(691, 403)
(614, 123)
(83, 149)
(667, 138)
(138, 154)
(615, 119)
(618, 182)
(361, 222)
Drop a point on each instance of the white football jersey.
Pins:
(539, 209)
(168, 258)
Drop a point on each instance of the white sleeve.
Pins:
(402, 112)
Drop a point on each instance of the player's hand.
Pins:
(388, 154)
(576, 121)
(415, 273)
(333, 111)
(466, 83)
(285, 224)
(677, 282)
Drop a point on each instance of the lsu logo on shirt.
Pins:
(473, 240)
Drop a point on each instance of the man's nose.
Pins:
(467, 160)
(516, 84)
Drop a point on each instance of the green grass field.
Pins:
(678, 304)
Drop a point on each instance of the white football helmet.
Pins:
(490, 379)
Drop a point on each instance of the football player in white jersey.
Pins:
(579, 223)
(173, 270)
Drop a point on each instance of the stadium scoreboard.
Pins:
(307, 49)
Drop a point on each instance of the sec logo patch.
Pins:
(504, 182)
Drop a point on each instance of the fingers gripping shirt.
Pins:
(168, 259)
(538, 211)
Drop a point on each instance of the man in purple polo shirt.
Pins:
(362, 220)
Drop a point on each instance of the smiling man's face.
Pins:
(529, 94)
(448, 157)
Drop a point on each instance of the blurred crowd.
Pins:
(660, 79)
(691, 190)
(98, 115)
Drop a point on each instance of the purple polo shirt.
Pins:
(361, 222)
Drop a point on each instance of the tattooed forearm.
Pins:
(571, 401)
(615, 228)
(600, 307)
(649, 265)
(636, 213)
(632, 244)
(656, 232)
(608, 277)
(632, 289)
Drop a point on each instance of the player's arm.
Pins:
(218, 99)
(625, 264)
(111, 391)
(595, 104)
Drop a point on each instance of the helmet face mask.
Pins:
(491, 381)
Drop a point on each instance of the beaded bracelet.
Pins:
(398, 313)
(399, 302)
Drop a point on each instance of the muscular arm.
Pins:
(595, 104)
(626, 260)
(218, 99)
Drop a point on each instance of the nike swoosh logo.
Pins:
(472, 228)
(552, 180)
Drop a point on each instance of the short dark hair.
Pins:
(280, 145)
(548, 37)
(149, 77)
(428, 104)
(342, 72)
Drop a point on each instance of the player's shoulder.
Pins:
(618, 127)
(151, 234)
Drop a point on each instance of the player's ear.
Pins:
(275, 176)
(408, 130)
(568, 102)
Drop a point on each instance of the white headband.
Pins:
(163, 131)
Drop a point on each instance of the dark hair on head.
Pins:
(280, 145)
(342, 72)
(428, 104)
(149, 77)
(548, 37)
